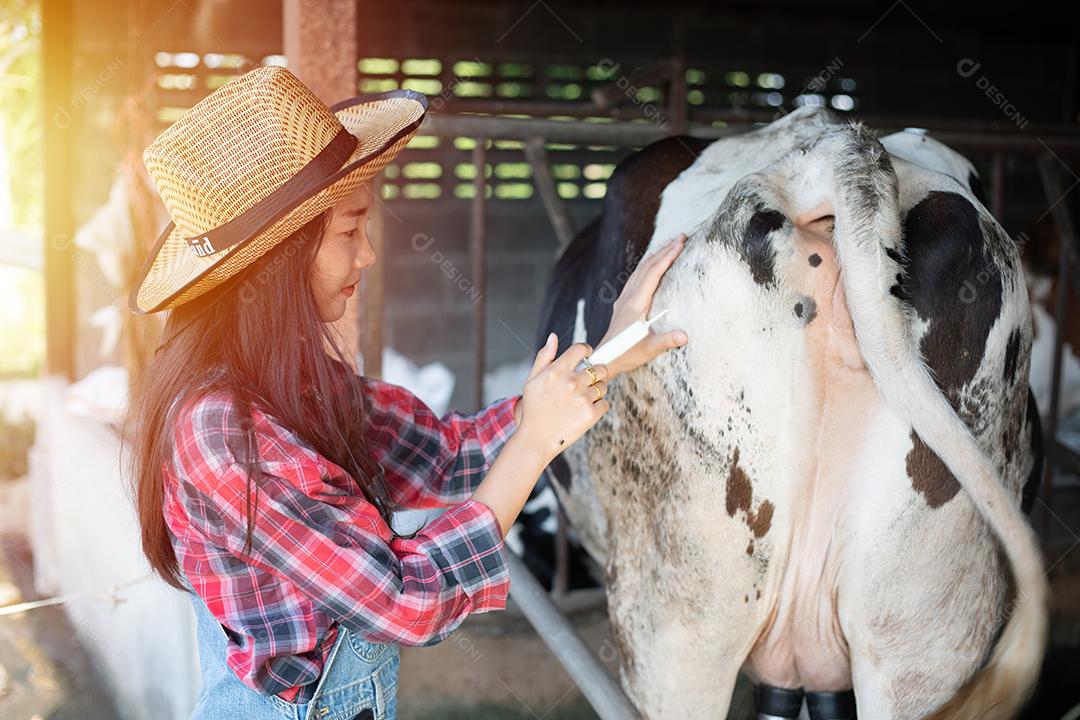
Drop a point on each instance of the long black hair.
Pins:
(262, 328)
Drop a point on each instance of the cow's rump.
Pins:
(765, 493)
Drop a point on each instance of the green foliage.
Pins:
(16, 437)
(20, 108)
(22, 323)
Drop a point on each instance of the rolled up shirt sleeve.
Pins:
(331, 543)
(432, 461)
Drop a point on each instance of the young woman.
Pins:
(265, 470)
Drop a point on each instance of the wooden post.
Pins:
(374, 285)
(561, 220)
(59, 241)
(997, 196)
(322, 50)
(478, 253)
(676, 90)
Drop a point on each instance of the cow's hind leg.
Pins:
(676, 673)
(921, 593)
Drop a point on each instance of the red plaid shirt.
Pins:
(321, 554)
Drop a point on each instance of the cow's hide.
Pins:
(755, 501)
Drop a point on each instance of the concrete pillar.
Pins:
(322, 50)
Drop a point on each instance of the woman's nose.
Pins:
(366, 257)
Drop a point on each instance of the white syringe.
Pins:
(619, 344)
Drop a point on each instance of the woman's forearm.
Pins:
(510, 479)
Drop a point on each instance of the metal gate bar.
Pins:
(596, 683)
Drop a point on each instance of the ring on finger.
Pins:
(592, 374)
(599, 392)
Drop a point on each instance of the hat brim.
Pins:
(172, 274)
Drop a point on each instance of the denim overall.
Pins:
(358, 682)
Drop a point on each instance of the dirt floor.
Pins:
(509, 666)
(493, 668)
(497, 667)
(44, 673)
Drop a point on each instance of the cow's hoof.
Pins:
(831, 705)
(775, 703)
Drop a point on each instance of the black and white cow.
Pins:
(822, 488)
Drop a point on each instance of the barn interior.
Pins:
(531, 107)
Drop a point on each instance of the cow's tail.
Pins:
(867, 238)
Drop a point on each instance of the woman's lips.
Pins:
(348, 291)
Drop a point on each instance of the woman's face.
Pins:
(343, 253)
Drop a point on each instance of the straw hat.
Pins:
(251, 163)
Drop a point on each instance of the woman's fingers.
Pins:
(602, 372)
(545, 355)
(642, 283)
(672, 339)
(573, 355)
(650, 347)
(584, 379)
(597, 391)
(654, 344)
(661, 262)
(560, 404)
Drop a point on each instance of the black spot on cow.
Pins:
(680, 379)
(1038, 452)
(740, 492)
(814, 260)
(1012, 355)
(739, 497)
(945, 252)
(650, 470)
(560, 469)
(755, 248)
(929, 475)
(898, 290)
(976, 187)
(806, 309)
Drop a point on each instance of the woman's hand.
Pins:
(559, 404)
(633, 304)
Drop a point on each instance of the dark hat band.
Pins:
(291, 193)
